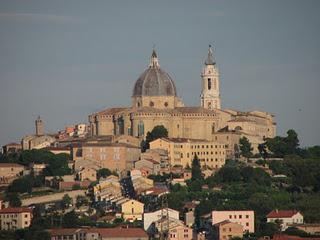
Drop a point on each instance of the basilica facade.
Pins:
(155, 102)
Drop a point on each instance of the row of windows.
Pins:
(206, 153)
(12, 215)
(235, 216)
(206, 146)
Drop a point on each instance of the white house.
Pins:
(149, 218)
(287, 217)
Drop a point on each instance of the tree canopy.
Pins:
(158, 131)
(245, 147)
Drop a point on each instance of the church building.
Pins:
(155, 102)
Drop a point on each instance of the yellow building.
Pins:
(181, 151)
(15, 218)
(132, 210)
(155, 102)
(228, 230)
(114, 156)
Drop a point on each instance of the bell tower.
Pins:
(210, 94)
(39, 127)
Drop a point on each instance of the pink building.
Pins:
(180, 233)
(244, 218)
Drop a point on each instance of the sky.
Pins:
(65, 59)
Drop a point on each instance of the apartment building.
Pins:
(15, 218)
(244, 218)
(181, 151)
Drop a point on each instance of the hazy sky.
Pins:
(66, 59)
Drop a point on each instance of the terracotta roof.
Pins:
(222, 223)
(122, 232)
(57, 148)
(151, 160)
(190, 205)
(10, 165)
(13, 144)
(15, 210)
(282, 213)
(62, 231)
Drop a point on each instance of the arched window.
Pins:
(209, 83)
(151, 104)
(140, 128)
(213, 129)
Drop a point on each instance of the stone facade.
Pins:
(228, 230)
(244, 218)
(181, 151)
(132, 210)
(114, 156)
(155, 102)
(15, 218)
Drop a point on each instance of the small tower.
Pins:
(39, 127)
(210, 94)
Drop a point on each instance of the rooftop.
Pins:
(15, 210)
(282, 213)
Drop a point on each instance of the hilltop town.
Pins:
(159, 169)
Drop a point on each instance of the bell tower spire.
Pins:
(154, 62)
(210, 94)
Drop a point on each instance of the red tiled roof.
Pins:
(222, 223)
(62, 231)
(58, 148)
(190, 205)
(15, 210)
(10, 165)
(152, 161)
(13, 144)
(282, 213)
(122, 232)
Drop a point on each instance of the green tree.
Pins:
(196, 169)
(70, 220)
(21, 185)
(262, 148)
(81, 200)
(245, 147)
(158, 131)
(14, 200)
(66, 201)
(103, 172)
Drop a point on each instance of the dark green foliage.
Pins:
(262, 148)
(103, 172)
(81, 201)
(245, 147)
(158, 131)
(14, 200)
(268, 229)
(57, 164)
(228, 174)
(8, 235)
(66, 201)
(70, 220)
(37, 234)
(196, 169)
(21, 185)
(296, 232)
(281, 146)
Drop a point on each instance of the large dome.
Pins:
(154, 81)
